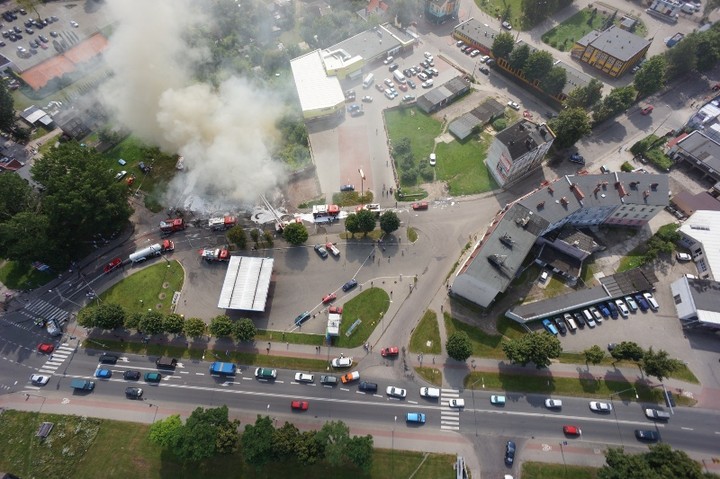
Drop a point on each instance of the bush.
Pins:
(627, 167)
(500, 124)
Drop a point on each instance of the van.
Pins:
(658, 414)
(688, 8)
(587, 315)
(368, 81)
(399, 77)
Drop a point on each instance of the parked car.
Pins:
(560, 325)
(509, 453)
(321, 251)
(368, 387)
(427, 84)
(422, 205)
(411, 84)
(571, 430)
(350, 377)
(642, 303)
(108, 359)
(506, 25)
(304, 378)
(513, 105)
(301, 318)
(103, 373)
(683, 257)
(153, 377)
(347, 188)
(341, 362)
(632, 305)
(544, 276)
(133, 393)
(328, 298)
(391, 351)
(596, 314)
(131, 375)
(349, 285)
(579, 319)
(549, 327)
(112, 265)
(657, 414)
(427, 392)
(647, 435)
(624, 311)
(392, 391)
(457, 403)
(329, 380)
(415, 417)
(553, 403)
(39, 379)
(367, 99)
(651, 301)
(433, 159)
(577, 158)
(598, 406)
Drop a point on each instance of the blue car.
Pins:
(603, 310)
(415, 417)
(641, 302)
(103, 373)
(349, 285)
(613, 310)
(302, 318)
(550, 327)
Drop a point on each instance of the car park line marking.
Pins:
(247, 379)
(344, 389)
(412, 402)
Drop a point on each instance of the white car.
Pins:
(388, 60)
(427, 84)
(433, 159)
(392, 391)
(544, 276)
(389, 82)
(624, 311)
(513, 105)
(457, 403)
(120, 175)
(598, 406)
(74, 24)
(484, 58)
(39, 379)
(474, 53)
(342, 362)
(553, 403)
(506, 25)
(430, 392)
(683, 257)
(304, 378)
(427, 55)
(631, 303)
(498, 400)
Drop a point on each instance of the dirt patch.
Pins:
(300, 190)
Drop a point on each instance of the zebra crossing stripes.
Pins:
(449, 417)
(42, 309)
(56, 359)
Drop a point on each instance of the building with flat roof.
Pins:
(700, 234)
(699, 151)
(612, 51)
(482, 114)
(620, 198)
(320, 95)
(443, 95)
(518, 150)
(246, 284)
(697, 302)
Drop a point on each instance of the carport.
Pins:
(246, 284)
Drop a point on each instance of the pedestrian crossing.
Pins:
(449, 417)
(39, 309)
(56, 359)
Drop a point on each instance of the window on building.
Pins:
(677, 299)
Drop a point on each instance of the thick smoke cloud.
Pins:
(223, 133)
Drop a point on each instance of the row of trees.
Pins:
(657, 364)
(210, 432)
(405, 160)
(110, 316)
(660, 462)
(364, 221)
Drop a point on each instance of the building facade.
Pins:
(613, 51)
(440, 11)
(700, 234)
(518, 150)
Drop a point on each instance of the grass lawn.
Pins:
(152, 287)
(634, 259)
(683, 374)
(564, 36)
(22, 276)
(80, 448)
(542, 470)
(426, 331)
(293, 338)
(584, 387)
(431, 375)
(496, 8)
(484, 345)
(461, 166)
(412, 235)
(368, 306)
(555, 287)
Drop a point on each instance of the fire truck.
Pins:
(172, 225)
(215, 254)
(222, 223)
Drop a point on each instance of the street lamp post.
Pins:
(617, 422)
(472, 391)
(362, 183)
(156, 411)
(393, 447)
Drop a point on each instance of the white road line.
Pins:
(46, 371)
(247, 379)
(344, 389)
(717, 432)
(687, 428)
(450, 428)
(184, 372)
(412, 402)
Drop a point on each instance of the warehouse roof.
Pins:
(316, 90)
(246, 285)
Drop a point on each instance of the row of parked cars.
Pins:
(595, 314)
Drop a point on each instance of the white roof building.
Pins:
(697, 301)
(319, 94)
(246, 285)
(701, 235)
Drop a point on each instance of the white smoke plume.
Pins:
(223, 133)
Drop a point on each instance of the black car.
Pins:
(650, 436)
(43, 39)
(347, 188)
(561, 326)
(30, 31)
(108, 359)
(131, 375)
(349, 285)
(33, 44)
(53, 34)
(579, 319)
(17, 29)
(406, 72)
(133, 393)
(368, 387)
(393, 67)
(485, 70)
(321, 251)
(509, 453)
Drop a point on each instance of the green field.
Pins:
(485, 345)
(461, 166)
(88, 448)
(564, 36)
(426, 331)
(369, 307)
(149, 288)
(542, 470)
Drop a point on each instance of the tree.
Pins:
(585, 96)
(237, 236)
(285, 440)
(16, 195)
(538, 64)
(173, 323)
(21, 234)
(569, 126)
(109, 316)
(195, 327)
(268, 238)
(86, 318)
(628, 350)
(132, 320)
(257, 441)
(198, 438)
(244, 330)
(352, 224)
(295, 234)
(7, 108)
(255, 236)
(651, 77)
(503, 45)
(152, 322)
(682, 58)
(554, 82)
(536, 348)
(619, 99)
(404, 11)
(366, 221)
(359, 452)
(221, 326)
(707, 51)
(458, 346)
(309, 449)
(659, 364)
(659, 463)
(519, 56)
(389, 222)
(334, 437)
(594, 355)
(166, 431)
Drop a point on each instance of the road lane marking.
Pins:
(687, 428)
(412, 402)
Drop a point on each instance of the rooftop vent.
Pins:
(507, 240)
(654, 186)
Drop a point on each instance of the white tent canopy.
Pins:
(246, 283)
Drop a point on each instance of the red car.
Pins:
(335, 310)
(572, 430)
(112, 265)
(393, 351)
(329, 298)
(299, 405)
(46, 348)
(422, 205)
(403, 87)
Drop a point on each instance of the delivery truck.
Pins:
(223, 369)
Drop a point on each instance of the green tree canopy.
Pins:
(165, 432)
(257, 441)
(352, 224)
(195, 327)
(389, 222)
(221, 326)
(538, 65)
(7, 108)
(204, 431)
(519, 56)
(660, 462)
(286, 440)
(594, 354)
(627, 350)
(152, 322)
(569, 126)
(459, 346)
(503, 45)
(334, 437)
(236, 235)
(554, 82)
(536, 348)
(132, 320)
(174, 323)
(651, 77)
(585, 97)
(244, 329)
(295, 234)
(109, 316)
(21, 235)
(682, 58)
(359, 452)
(659, 364)
(366, 221)
(16, 195)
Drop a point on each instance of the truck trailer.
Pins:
(223, 369)
(153, 250)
